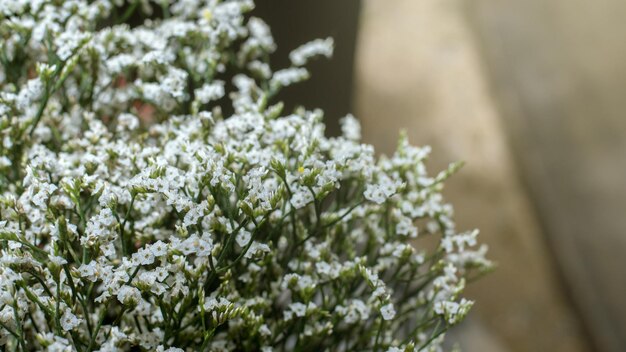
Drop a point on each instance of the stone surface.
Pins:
(418, 68)
(558, 71)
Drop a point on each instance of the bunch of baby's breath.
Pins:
(134, 215)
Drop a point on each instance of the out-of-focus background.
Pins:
(532, 95)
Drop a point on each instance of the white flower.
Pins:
(453, 311)
(264, 330)
(160, 348)
(260, 68)
(405, 227)
(5, 162)
(127, 122)
(120, 62)
(361, 308)
(194, 214)
(260, 34)
(89, 271)
(460, 240)
(143, 256)
(175, 82)
(68, 42)
(128, 295)
(388, 311)
(55, 343)
(375, 194)
(161, 274)
(379, 192)
(57, 260)
(298, 309)
(356, 311)
(210, 92)
(301, 197)
(303, 53)
(158, 249)
(350, 127)
(32, 91)
(243, 237)
(190, 245)
(255, 249)
(159, 57)
(288, 76)
(69, 321)
(205, 246)
(213, 303)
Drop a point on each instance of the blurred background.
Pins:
(532, 95)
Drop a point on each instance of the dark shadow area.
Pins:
(294, 23)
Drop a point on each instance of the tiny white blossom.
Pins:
(243, 237)
(57, 260)
(256, 248)
(302, 54)
(350, 127)
(388, 311)
(264, 330)
(68, 42)
(159, 249)
(69, 321)
(160, 348)
(128, 295)
(289, 76)
(298, 309)
(144, 256)
(210, 92)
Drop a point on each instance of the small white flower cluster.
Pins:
(135, 214)
(301, 55)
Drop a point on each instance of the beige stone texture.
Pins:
(558, 71)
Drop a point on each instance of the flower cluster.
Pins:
(154, 195)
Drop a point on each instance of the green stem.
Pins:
(433, 336)
(42, 107)
(380, 329)
(207, 339)
(9, 330)
(20, 331)
(47, 93)
(57, 313)
(129, 12)
(34, 298)
(94, 335)
(123, 225)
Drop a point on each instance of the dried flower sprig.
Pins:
(134, 215)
